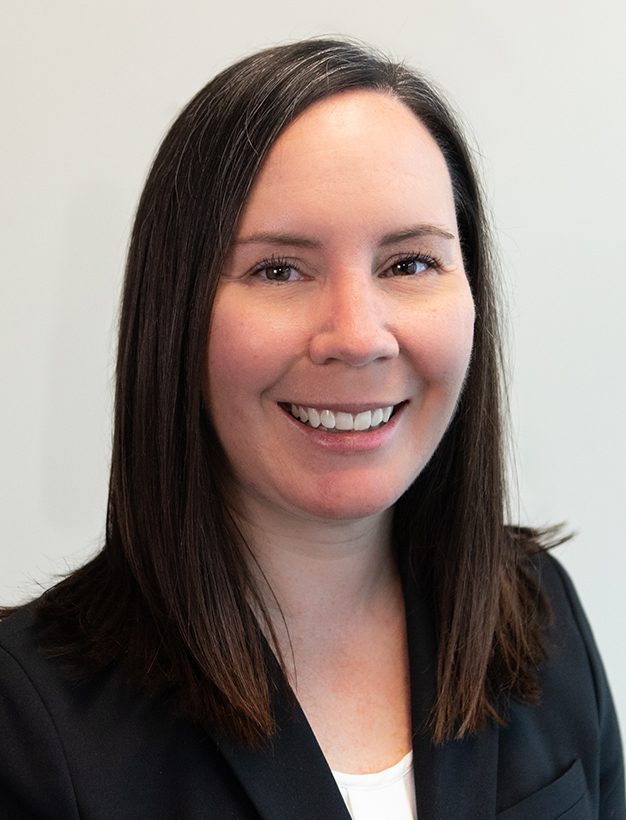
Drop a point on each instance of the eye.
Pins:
(408, 267)
(411, 265)
(276, 270)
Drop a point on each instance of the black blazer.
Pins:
(100, 751)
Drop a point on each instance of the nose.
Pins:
(353, 323)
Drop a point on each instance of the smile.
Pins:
(340, 421)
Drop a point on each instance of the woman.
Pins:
(308, 603)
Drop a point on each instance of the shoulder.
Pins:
(27, 670)
(558, 587)
(14, 629)
(94, 742)
(33, 749)
(556, 583)
(570, 641)
(572, 651)
(21, 634)
(27, 665)
(575, 718)
(21, 659)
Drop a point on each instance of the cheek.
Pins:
(445, 345)
(229, 357)
(235, 350)
(247, 353)
(227, 367)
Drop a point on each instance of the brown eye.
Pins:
(277, 273)
(409, 267)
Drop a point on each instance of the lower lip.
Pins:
(350, 441)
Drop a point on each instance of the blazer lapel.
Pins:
(455, 780)
(289, 776)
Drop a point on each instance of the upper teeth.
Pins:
(342, 421)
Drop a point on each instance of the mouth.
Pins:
(339, 421)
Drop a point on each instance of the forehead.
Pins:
(359, 146)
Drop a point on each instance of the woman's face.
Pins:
(342, 327)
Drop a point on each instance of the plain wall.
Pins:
(88, 90)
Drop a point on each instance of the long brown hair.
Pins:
(170, 592)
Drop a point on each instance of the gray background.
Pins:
(88, 90)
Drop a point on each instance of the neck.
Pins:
(321, 570)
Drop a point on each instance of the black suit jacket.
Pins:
(98, 750)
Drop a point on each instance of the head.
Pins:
(187, 219)
(343, 301)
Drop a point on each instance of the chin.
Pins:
(342, 506)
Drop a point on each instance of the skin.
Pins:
(329, 300)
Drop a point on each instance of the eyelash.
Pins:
(429, 260)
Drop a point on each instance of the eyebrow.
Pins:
(295, 240)
(415, 232)
(271, 238)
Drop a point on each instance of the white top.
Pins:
(381, 795)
